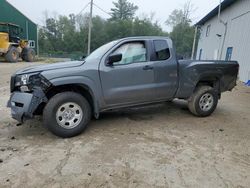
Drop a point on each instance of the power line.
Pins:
(86, 6)
(90, 20)
(102, 9)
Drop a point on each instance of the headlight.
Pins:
(21, 80)
(24, 79)
(27, 82)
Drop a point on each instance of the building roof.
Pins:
(225, 4)
(20, 12)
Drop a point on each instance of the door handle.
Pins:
(147, 67)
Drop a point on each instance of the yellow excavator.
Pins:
(11, 46)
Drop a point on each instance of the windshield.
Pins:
(99, 52)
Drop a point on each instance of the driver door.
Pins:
(131, 80)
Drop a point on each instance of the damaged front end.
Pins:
(28, 92)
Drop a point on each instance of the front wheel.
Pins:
(67, 114)
(12, 55)
(203, 102)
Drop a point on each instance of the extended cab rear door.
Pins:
(165, 68)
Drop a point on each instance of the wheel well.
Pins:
(81, 89)
(205, 83)
(214, 83)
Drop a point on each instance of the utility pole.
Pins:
(194, 42)
(225, 32)
(37, 44)
(90, 26)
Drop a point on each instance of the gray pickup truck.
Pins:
(123, 73)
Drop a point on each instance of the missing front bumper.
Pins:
(23, 105)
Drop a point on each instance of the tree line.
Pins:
(69, 34)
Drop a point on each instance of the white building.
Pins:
(227, 37)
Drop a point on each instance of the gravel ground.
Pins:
(157, 146)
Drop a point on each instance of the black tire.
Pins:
(12, 55)
(28, 55)
(23, 54)
(50, 117)
(196, 103)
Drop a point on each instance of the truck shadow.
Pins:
(107, 120)
(147, 113)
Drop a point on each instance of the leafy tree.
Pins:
(66, 35)
(51, 26)
(183, 35)
(146, 27)
(123, 10)
(99, 34)
(179, 16)
(118, 29)
(182, 31)
(44, 43)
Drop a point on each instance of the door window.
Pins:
(208, 30)
(132, 52)
(229, 53)
(161, 50)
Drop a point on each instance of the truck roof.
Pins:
(144, 37)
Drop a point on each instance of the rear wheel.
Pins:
(12, 55)
(203, 102)
(67, 114)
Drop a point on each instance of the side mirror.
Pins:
(114, 58)
(83, 57)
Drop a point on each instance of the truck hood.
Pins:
(42, 68)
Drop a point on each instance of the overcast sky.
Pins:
(162, 8)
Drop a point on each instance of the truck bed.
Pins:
(192, 72)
